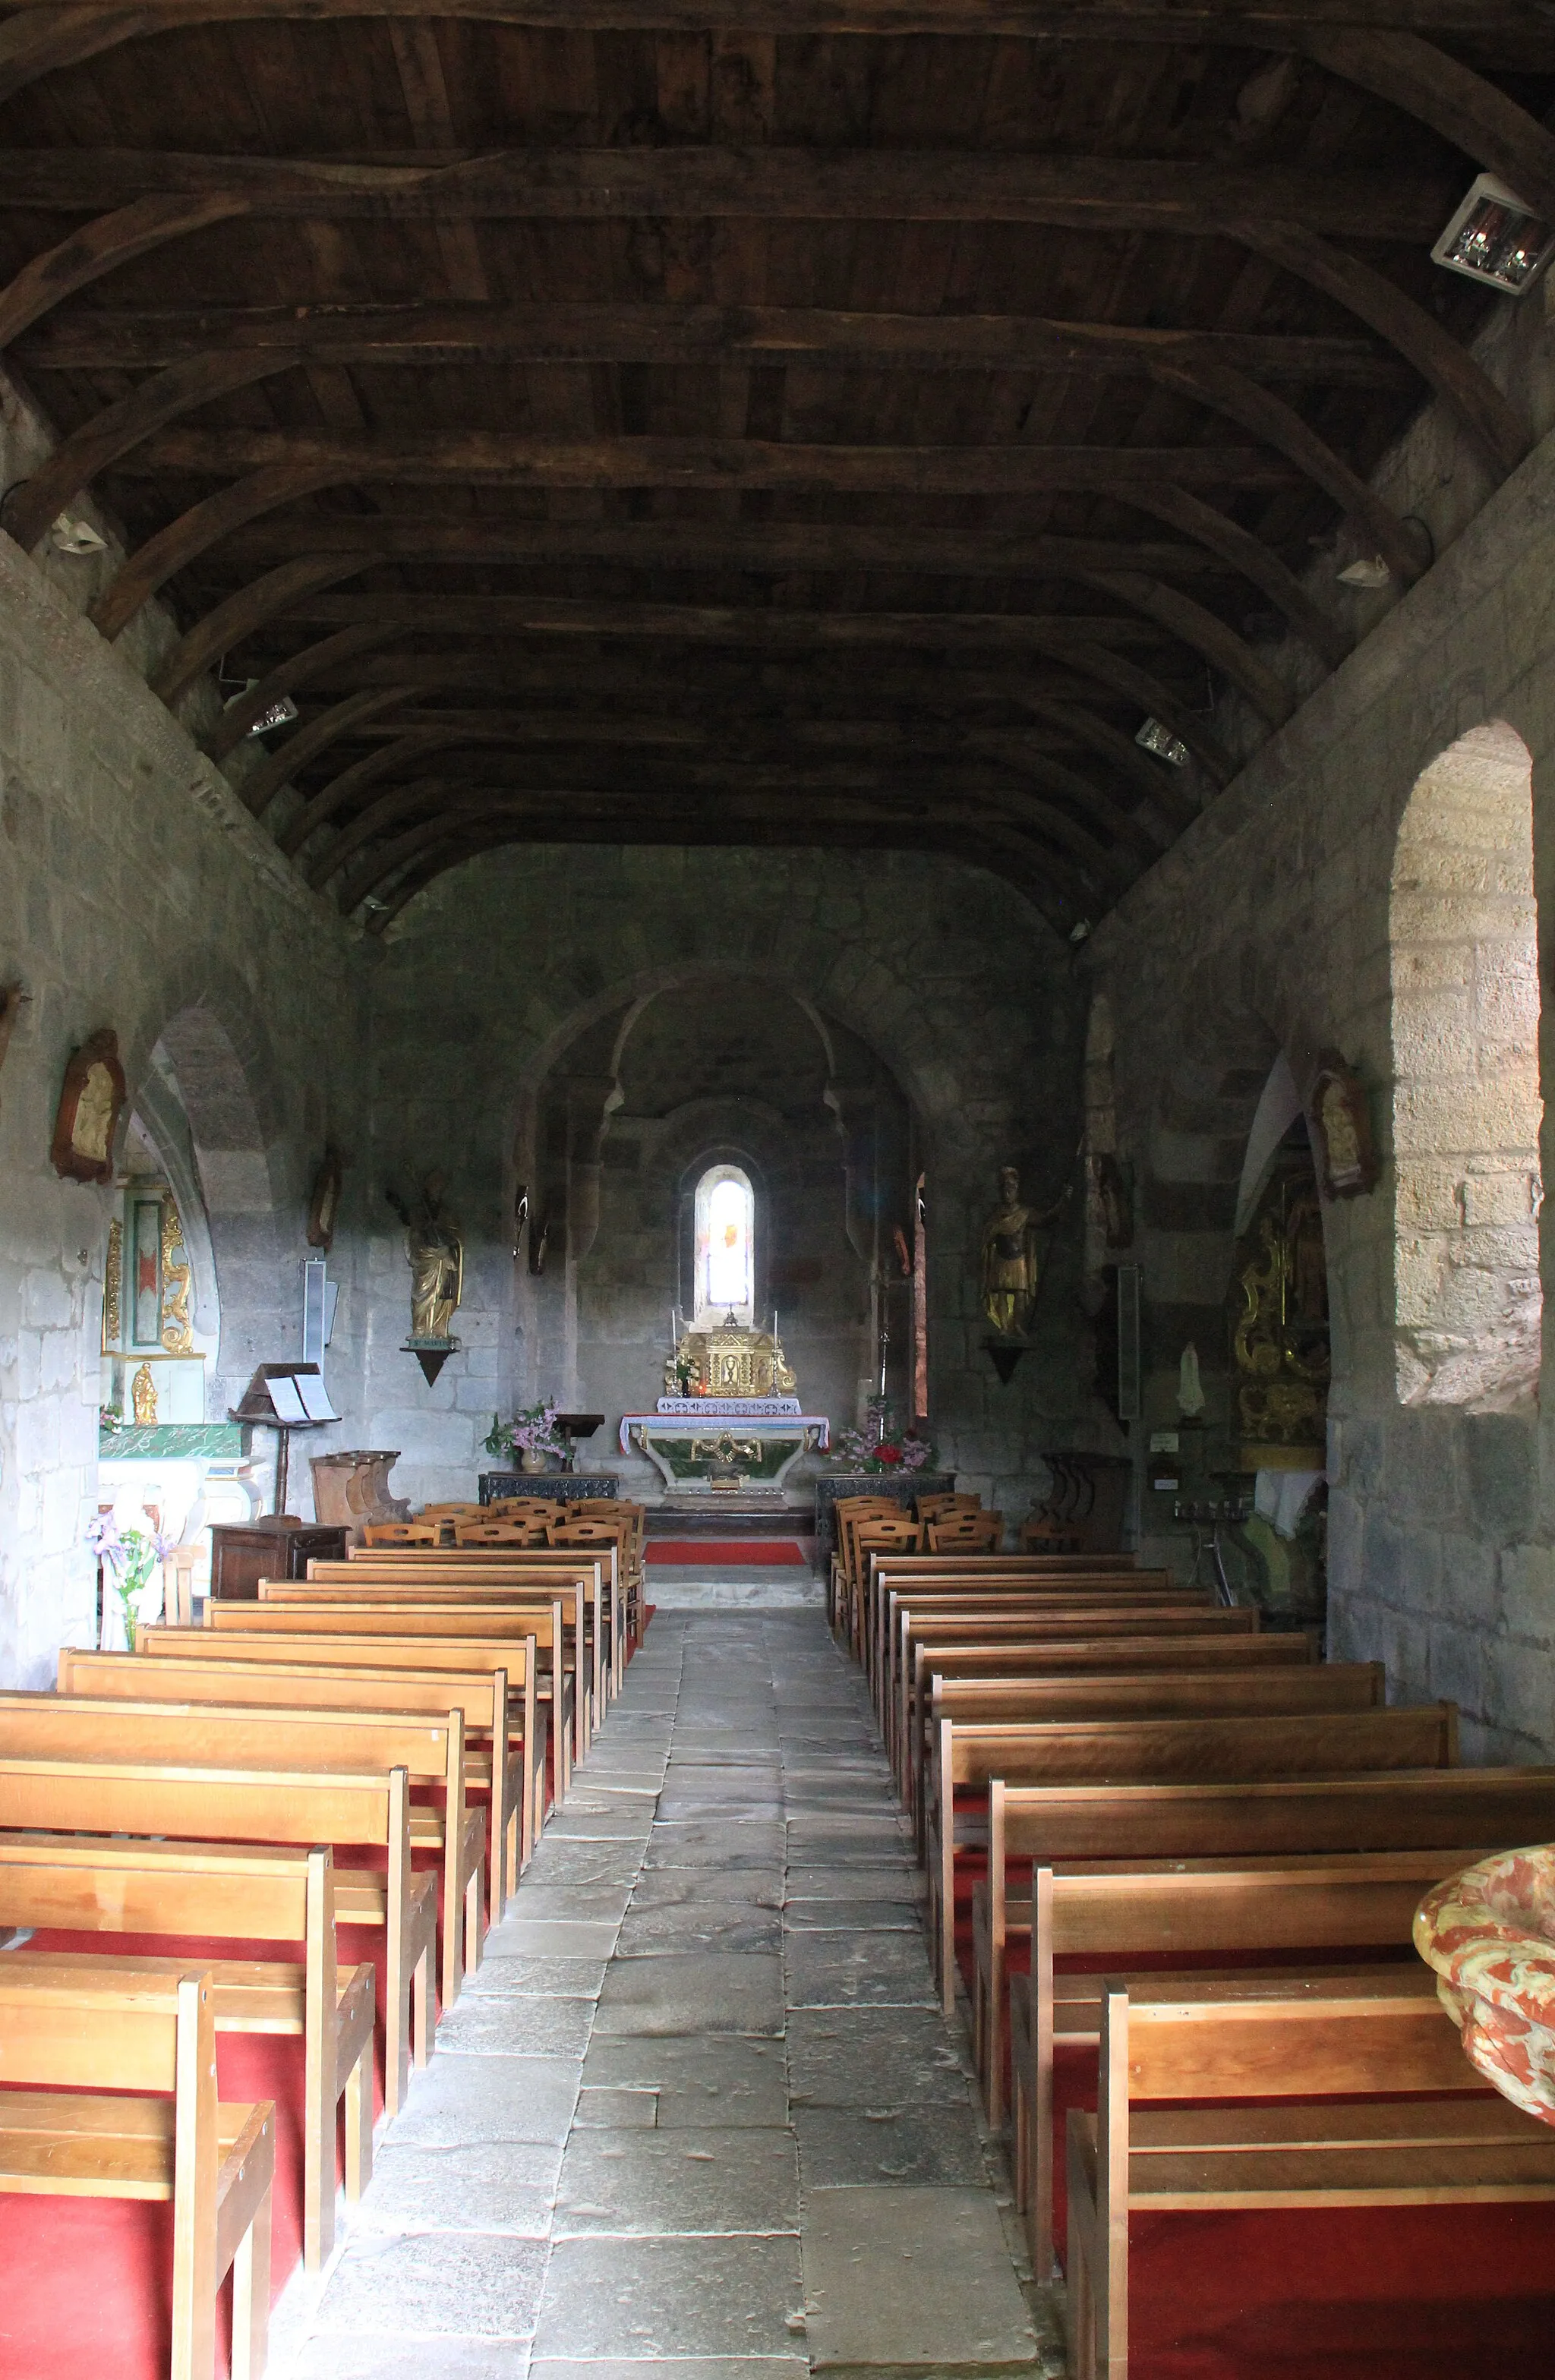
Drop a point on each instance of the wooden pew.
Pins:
(890, 1594)
(494, 1713)
(582, 1593)
(948, 1573)
(1305, 1904)
(363, 1620)
(122, 2066)
(1160, 1752)
(429, 1660)
(429, 1751)
(547, 1615)
(81, 1884)
(272, 1805)
(596, 1569)
(840, 1575)
(1015, 1656)
(1034, 1620)
(1357, 2034)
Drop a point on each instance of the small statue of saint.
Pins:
(435, 1253)
(1011, 1256)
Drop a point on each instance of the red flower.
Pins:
(888, 1454)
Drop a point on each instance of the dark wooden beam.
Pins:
(152, 565)
(283, 760)
(321, 806)
(101, 246)
(772, 546)
(1204, 632)
(32, 503)
(767, 628)
(492, 458)
(432, 333)
(1096, 193)
(1465, 108)
(1155, 779)
(1248, 555)
(777, 795)
(717, 822)
(1500, 428)
(243, 614)
(42, 37)
(1267, 416)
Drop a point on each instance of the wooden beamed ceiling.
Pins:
(836, 422)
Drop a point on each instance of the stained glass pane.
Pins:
(728, 1253)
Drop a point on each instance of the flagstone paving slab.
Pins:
(911, 2277)
(663, 2182)
(696, 2117)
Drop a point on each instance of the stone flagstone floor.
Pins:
(698, 2106)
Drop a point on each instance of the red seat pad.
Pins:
(1346, 2294)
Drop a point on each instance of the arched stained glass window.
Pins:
(725, 1244)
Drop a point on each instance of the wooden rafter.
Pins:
(1094, 193)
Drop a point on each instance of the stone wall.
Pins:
(492, 986)
(1271, 928)
(136, 893)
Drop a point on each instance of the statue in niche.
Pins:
(1012, 1263)
(434, 1249)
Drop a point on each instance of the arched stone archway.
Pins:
(1466, 1105)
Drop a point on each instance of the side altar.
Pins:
(729, 1417)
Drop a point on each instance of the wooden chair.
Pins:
(429, 1751)
(499, 1709)
(970, 1532)
(257, 1806)
(401, 1533)
(969, 1758)
(109, 2076)
(867, 1534)
(935, 1508)
(1361, 2036)
(85, 1885)
(517, 1531)
(843, 1572)
(1307, 1905)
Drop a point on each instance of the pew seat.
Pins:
(108, 2090)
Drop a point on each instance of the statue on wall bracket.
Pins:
(1012, 1253)
(90, 1106)
(434, 1250)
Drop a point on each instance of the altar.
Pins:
(728, 1418)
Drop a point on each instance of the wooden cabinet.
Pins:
(242, 1555)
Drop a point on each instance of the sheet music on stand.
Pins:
(285, 1397)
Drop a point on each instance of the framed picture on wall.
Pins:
(89, 1107)
(1341, 1129)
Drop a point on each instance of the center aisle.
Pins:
(698, 2102)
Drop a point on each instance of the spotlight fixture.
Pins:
(277, 715)
(1159, 739)
(1370, 570)
(71, 534)
(1494, 238)
(1080, 932)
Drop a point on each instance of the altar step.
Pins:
(732, 1512)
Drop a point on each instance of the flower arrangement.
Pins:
(131, 1558)
(532, 1430)
(879, 1447)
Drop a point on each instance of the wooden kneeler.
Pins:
(84, 1885)
(111, 2036)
